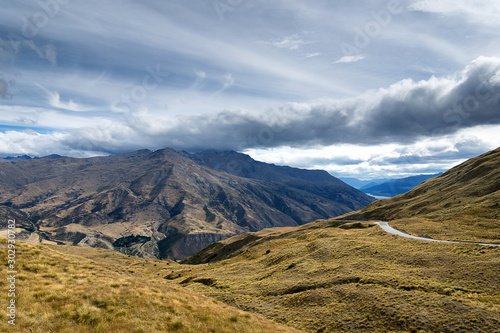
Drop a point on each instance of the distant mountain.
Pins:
(17, 158)
(54, 156)
(354, 182)
(359, 184)
(396, 186)
(470, 191)
(164, 203)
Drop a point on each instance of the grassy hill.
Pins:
(325, 276)
(82, 289)
(331, 276)
(461, 204)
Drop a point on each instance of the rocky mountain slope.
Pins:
(164, 203)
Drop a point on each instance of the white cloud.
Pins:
(54, 100)
(31, 143)
(478, 11)
(292, 42)
(200, 78)
(349, 59)
(387, 160)
(228, 81)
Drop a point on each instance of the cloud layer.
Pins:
(93, 77)
(402, 113)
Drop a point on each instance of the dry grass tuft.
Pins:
(76, 289)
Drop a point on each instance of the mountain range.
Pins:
(166, 203)
(393, 187)
(336, 275)
(359, 183)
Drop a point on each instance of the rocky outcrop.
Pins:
(190, 244)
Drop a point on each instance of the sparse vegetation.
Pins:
(79, 289)
(461, 204)
(341, 275)
(129, 240)
(322, 277)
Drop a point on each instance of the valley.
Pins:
(232, 166)
(166, 203)
(326, 276)
(342, 274)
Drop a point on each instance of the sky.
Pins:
(366, 89)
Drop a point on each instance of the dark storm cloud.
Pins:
(403, 113)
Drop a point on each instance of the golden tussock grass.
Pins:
(326, 276)
(76, 289)
(322, 278)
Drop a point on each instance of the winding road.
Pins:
(387, 228)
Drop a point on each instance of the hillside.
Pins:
(395, 187)
(342, 275)
(334, 276)
(163, 204)
(461, 204)
(82, 289)
(324, 276)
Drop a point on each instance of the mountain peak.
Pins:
(166, 203)
(243, 165)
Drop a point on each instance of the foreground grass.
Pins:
(321, 278)
(75, 289)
